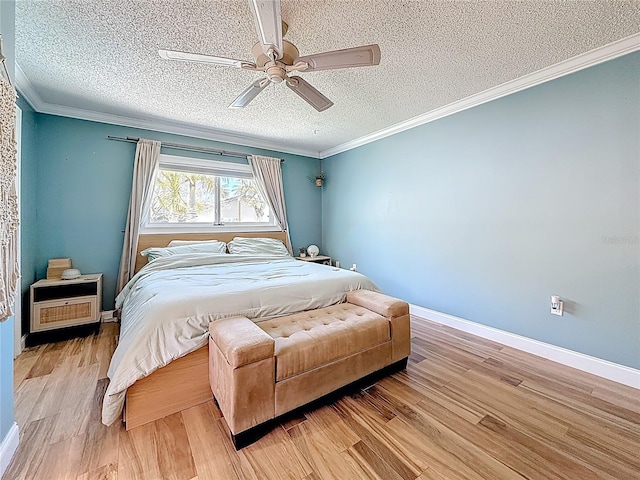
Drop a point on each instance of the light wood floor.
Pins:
(465, 408)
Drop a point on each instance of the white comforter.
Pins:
(167, 306)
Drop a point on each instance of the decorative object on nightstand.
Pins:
(313, 250)
(59, 304)
(70, 274)
(303, 252)
(56, 267)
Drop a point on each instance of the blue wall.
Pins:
(83, 184)
(487, 213)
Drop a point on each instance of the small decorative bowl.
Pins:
(70, 274)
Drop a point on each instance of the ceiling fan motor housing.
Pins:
(290, 54)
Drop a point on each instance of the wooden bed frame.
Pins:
(183, 383)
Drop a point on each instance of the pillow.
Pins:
(257, 246)
(209, 247)
(179, 243)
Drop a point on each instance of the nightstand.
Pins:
(317, 259)
(60, 304)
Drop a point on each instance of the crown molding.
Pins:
(25, 87)
(27, 90)
(579, 62)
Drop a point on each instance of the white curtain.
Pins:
(268, 175)
(145, 169)
(9, 271)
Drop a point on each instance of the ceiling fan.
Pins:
(277, 58)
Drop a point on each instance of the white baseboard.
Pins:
(19, 346)
(8, 447)
(108, 316)
(596, 366)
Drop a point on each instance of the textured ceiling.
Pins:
(101, 55)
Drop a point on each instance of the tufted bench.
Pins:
(260, 371)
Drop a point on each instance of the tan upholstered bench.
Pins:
(260, 371)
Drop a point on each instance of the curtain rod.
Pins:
(191, 148)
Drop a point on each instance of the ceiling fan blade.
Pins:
(268, 18)
(250, 93)
(197, 57)
(308, 93)
(364, 56)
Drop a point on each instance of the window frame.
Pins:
(205, 167)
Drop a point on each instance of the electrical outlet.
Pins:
(557, 305)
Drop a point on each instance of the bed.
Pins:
(160, 365)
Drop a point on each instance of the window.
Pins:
(194, 194)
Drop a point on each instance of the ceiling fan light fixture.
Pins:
(276, 73)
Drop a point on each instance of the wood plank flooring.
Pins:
(465, 408)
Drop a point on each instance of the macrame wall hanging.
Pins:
(9, 271)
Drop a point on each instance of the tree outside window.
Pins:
(184, 197)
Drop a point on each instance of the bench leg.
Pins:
(400, 364)
(254, 434)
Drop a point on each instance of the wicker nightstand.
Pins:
(59, 304)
